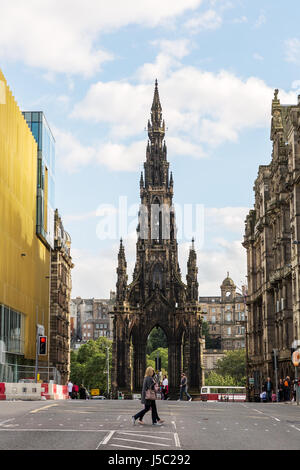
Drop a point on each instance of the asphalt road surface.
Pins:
(107, 425)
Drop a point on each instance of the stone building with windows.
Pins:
(61, 285)
(272, 235)
(225, 315)
(91, 319)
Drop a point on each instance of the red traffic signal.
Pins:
(43, 345)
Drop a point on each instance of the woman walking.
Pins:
(165, 388)
(148, 399)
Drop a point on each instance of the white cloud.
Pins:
(202, 109)
(257, 56)
(228, 218)
(71, 154)
(214, 264)
(62, 36)
(241, 19)
(120, 104)
(166, 60)
(260, 21)
(293, 50)
(118, 157)
(178, 48)
(209, 20)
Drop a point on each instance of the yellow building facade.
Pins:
(24, 258)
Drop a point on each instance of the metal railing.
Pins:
(14, 373)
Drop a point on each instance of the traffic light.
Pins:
(43, 345)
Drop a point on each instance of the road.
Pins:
(106, 425)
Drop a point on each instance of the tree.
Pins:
(233, 365)
(89, 364)
(156, 339)
(219, 380)
(163, 354)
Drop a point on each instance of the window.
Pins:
(11, 330)
(229, 331)
(213, 310)
(228, 317)
(213, 319)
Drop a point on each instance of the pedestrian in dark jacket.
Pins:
(148, 384)
(268, 388)
(287, 389)
(183, 388)
(82, 392)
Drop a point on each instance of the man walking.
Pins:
(183, 388)
(268, 388)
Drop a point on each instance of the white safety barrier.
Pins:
(33, 391)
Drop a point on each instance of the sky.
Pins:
(91, 67)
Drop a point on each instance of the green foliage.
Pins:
(233, 365)
(89, 364)
(163, 354)
(156, 339)
(216, 379)
(149, 362)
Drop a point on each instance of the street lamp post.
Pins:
(107, 362)
(245, 322)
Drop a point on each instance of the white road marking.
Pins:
(174, 424)
(144, 435)
(106, 439)
(141, 442)
(259, 411)
(292, 426)
(6, 421)
(177, 441)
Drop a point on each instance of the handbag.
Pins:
(151, 393)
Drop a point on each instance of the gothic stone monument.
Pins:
(157, 297)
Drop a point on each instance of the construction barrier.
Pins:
(33, 391)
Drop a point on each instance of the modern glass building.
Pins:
(45, 175)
